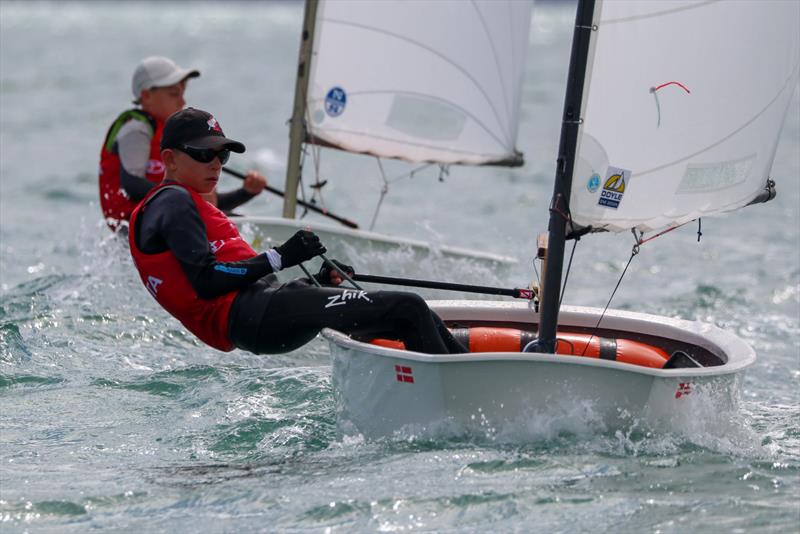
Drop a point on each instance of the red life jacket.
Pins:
(114, 201)
(165, 279)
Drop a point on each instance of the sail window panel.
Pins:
(425, 118)
(715, 176)
(424, 81)
(666, 99)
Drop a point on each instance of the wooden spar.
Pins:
(559, 205)
(306, 205)
(297, 131)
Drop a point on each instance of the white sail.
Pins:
(424, 81)
(682, 108)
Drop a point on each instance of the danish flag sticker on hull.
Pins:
(684, 388)
(403, 374)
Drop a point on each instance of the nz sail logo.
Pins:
(614, 187)
(594, 183)
(335, 101)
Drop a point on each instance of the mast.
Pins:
(554, 261)
(298, 131)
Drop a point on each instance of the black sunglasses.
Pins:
(206, 155)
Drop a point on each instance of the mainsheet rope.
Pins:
(639, 241)
(634, 252)
(443, 171)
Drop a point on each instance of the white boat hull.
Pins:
(382, 391)
(346, 243)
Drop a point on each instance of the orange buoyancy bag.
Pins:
(493, 339)
(620, 350)
(501, 339)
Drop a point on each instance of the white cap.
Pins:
(157, 71)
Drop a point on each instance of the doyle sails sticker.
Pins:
(614, 187)
(335, 101)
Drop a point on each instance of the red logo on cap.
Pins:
(214, 125)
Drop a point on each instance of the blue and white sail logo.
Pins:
(335, 101)
(614, 187)
(594, 183)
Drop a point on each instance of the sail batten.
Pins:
(664, 11)
(683, 107)
(420, 81)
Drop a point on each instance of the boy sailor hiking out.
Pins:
(192, 260)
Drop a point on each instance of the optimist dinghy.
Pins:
(667, 118)
(381, 390)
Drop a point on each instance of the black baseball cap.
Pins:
(197, 129)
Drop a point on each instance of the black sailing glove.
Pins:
(324, 274)
(301, 247)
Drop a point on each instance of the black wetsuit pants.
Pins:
(268, 320)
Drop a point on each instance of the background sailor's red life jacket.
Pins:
(114, 202)
(165, 279)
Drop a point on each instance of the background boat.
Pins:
(385, 80)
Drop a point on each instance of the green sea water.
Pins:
(114, 417)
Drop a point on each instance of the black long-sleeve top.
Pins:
(171, 221)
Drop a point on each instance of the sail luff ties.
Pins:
(565, 213)
(567, 216)
(297, 130)
(300, 187)
(316, 156)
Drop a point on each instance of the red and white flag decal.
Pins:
(684, 388)
(404, 374)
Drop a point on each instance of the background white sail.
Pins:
(683, 102)
(419, 80)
